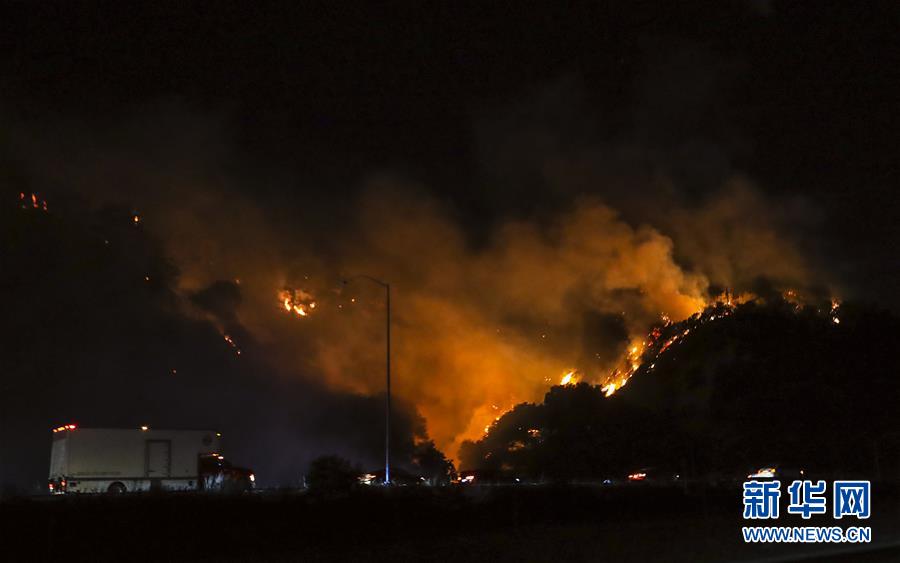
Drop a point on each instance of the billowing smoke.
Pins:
(487, 311)
(478, 325)
(478, 329)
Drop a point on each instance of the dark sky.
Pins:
(496, 113)
(803, 101)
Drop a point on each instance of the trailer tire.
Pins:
(116, 488)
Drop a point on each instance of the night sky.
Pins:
(538, 185)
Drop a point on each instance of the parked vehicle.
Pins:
(786, 471)
(654, 476)
(116, 460)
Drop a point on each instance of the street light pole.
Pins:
(387, 371)
(387, 398)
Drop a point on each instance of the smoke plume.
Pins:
(480, 321)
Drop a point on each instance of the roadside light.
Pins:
(145, 428)
(218, 434)
(252, 478)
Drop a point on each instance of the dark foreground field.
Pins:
(475, 524)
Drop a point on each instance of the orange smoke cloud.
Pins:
(493, 326)
(475, 329)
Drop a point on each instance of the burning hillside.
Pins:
(642, 355)
(477, 329)
(488, 309)
(480, 329)
(711, 395)
(546, 218)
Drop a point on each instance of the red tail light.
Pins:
(58, 486)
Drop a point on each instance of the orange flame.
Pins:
(297, 301)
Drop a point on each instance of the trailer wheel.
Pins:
(116, 488)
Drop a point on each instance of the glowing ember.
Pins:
(32, 201)
(497, 415)
(487, 428)
(835, 306)
(231, 343)
(792, 297)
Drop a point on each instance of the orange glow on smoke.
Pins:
(468, 320)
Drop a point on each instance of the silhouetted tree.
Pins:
(432, 464)
(331, 474)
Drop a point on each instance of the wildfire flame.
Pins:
(498, 414)
(629, 363)
(297, 301)
(835, 306)
(649, 349)
(32, 200)
(645, 351)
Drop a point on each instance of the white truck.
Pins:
(117, 460)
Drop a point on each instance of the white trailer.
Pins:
(115, 460)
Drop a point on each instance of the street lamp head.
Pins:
(346, 281)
